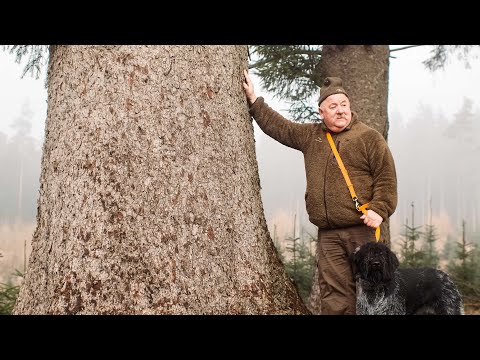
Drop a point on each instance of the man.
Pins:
(371, 169)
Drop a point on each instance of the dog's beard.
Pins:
(374, 264)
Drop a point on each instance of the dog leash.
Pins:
(360, 208)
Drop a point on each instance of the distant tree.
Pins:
(461, 136)
(464, 126)
(430, 239)
(449, 248)
(300, 263)
(20, 157)
(8, 295)
(465, 269)
(292, 250)
(431, 257)
(278, 247)
(410, 255)
(462, 253)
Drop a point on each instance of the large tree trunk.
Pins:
(364, 71)
(150, 198)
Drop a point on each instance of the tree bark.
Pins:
(150, 198)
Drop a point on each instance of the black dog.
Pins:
(385, 289)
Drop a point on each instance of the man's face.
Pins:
(335, 112)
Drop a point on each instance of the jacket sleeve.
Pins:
(294, 135)
(384, 201)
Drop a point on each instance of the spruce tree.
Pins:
(431, 258)
(410, 256)
(430, 236)
(299, 262)
(465, 270)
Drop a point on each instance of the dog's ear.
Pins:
(353, 264)
(392, 263)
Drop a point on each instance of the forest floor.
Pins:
(472, 309)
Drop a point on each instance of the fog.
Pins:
(434, 123)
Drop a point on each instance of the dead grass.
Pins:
(472, 308)
(15, 247)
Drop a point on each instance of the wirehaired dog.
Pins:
(385, 289)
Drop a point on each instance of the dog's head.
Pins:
(374, 262)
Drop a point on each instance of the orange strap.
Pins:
(360, 208)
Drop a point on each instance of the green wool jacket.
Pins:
(364, 153)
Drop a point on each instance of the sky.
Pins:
(410, 85)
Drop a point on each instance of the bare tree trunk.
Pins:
(313, 301)
(364, 71)
(150, 198)
(20, 190)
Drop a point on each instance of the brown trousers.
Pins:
(337, 286)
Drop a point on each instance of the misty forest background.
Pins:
(436, 223)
